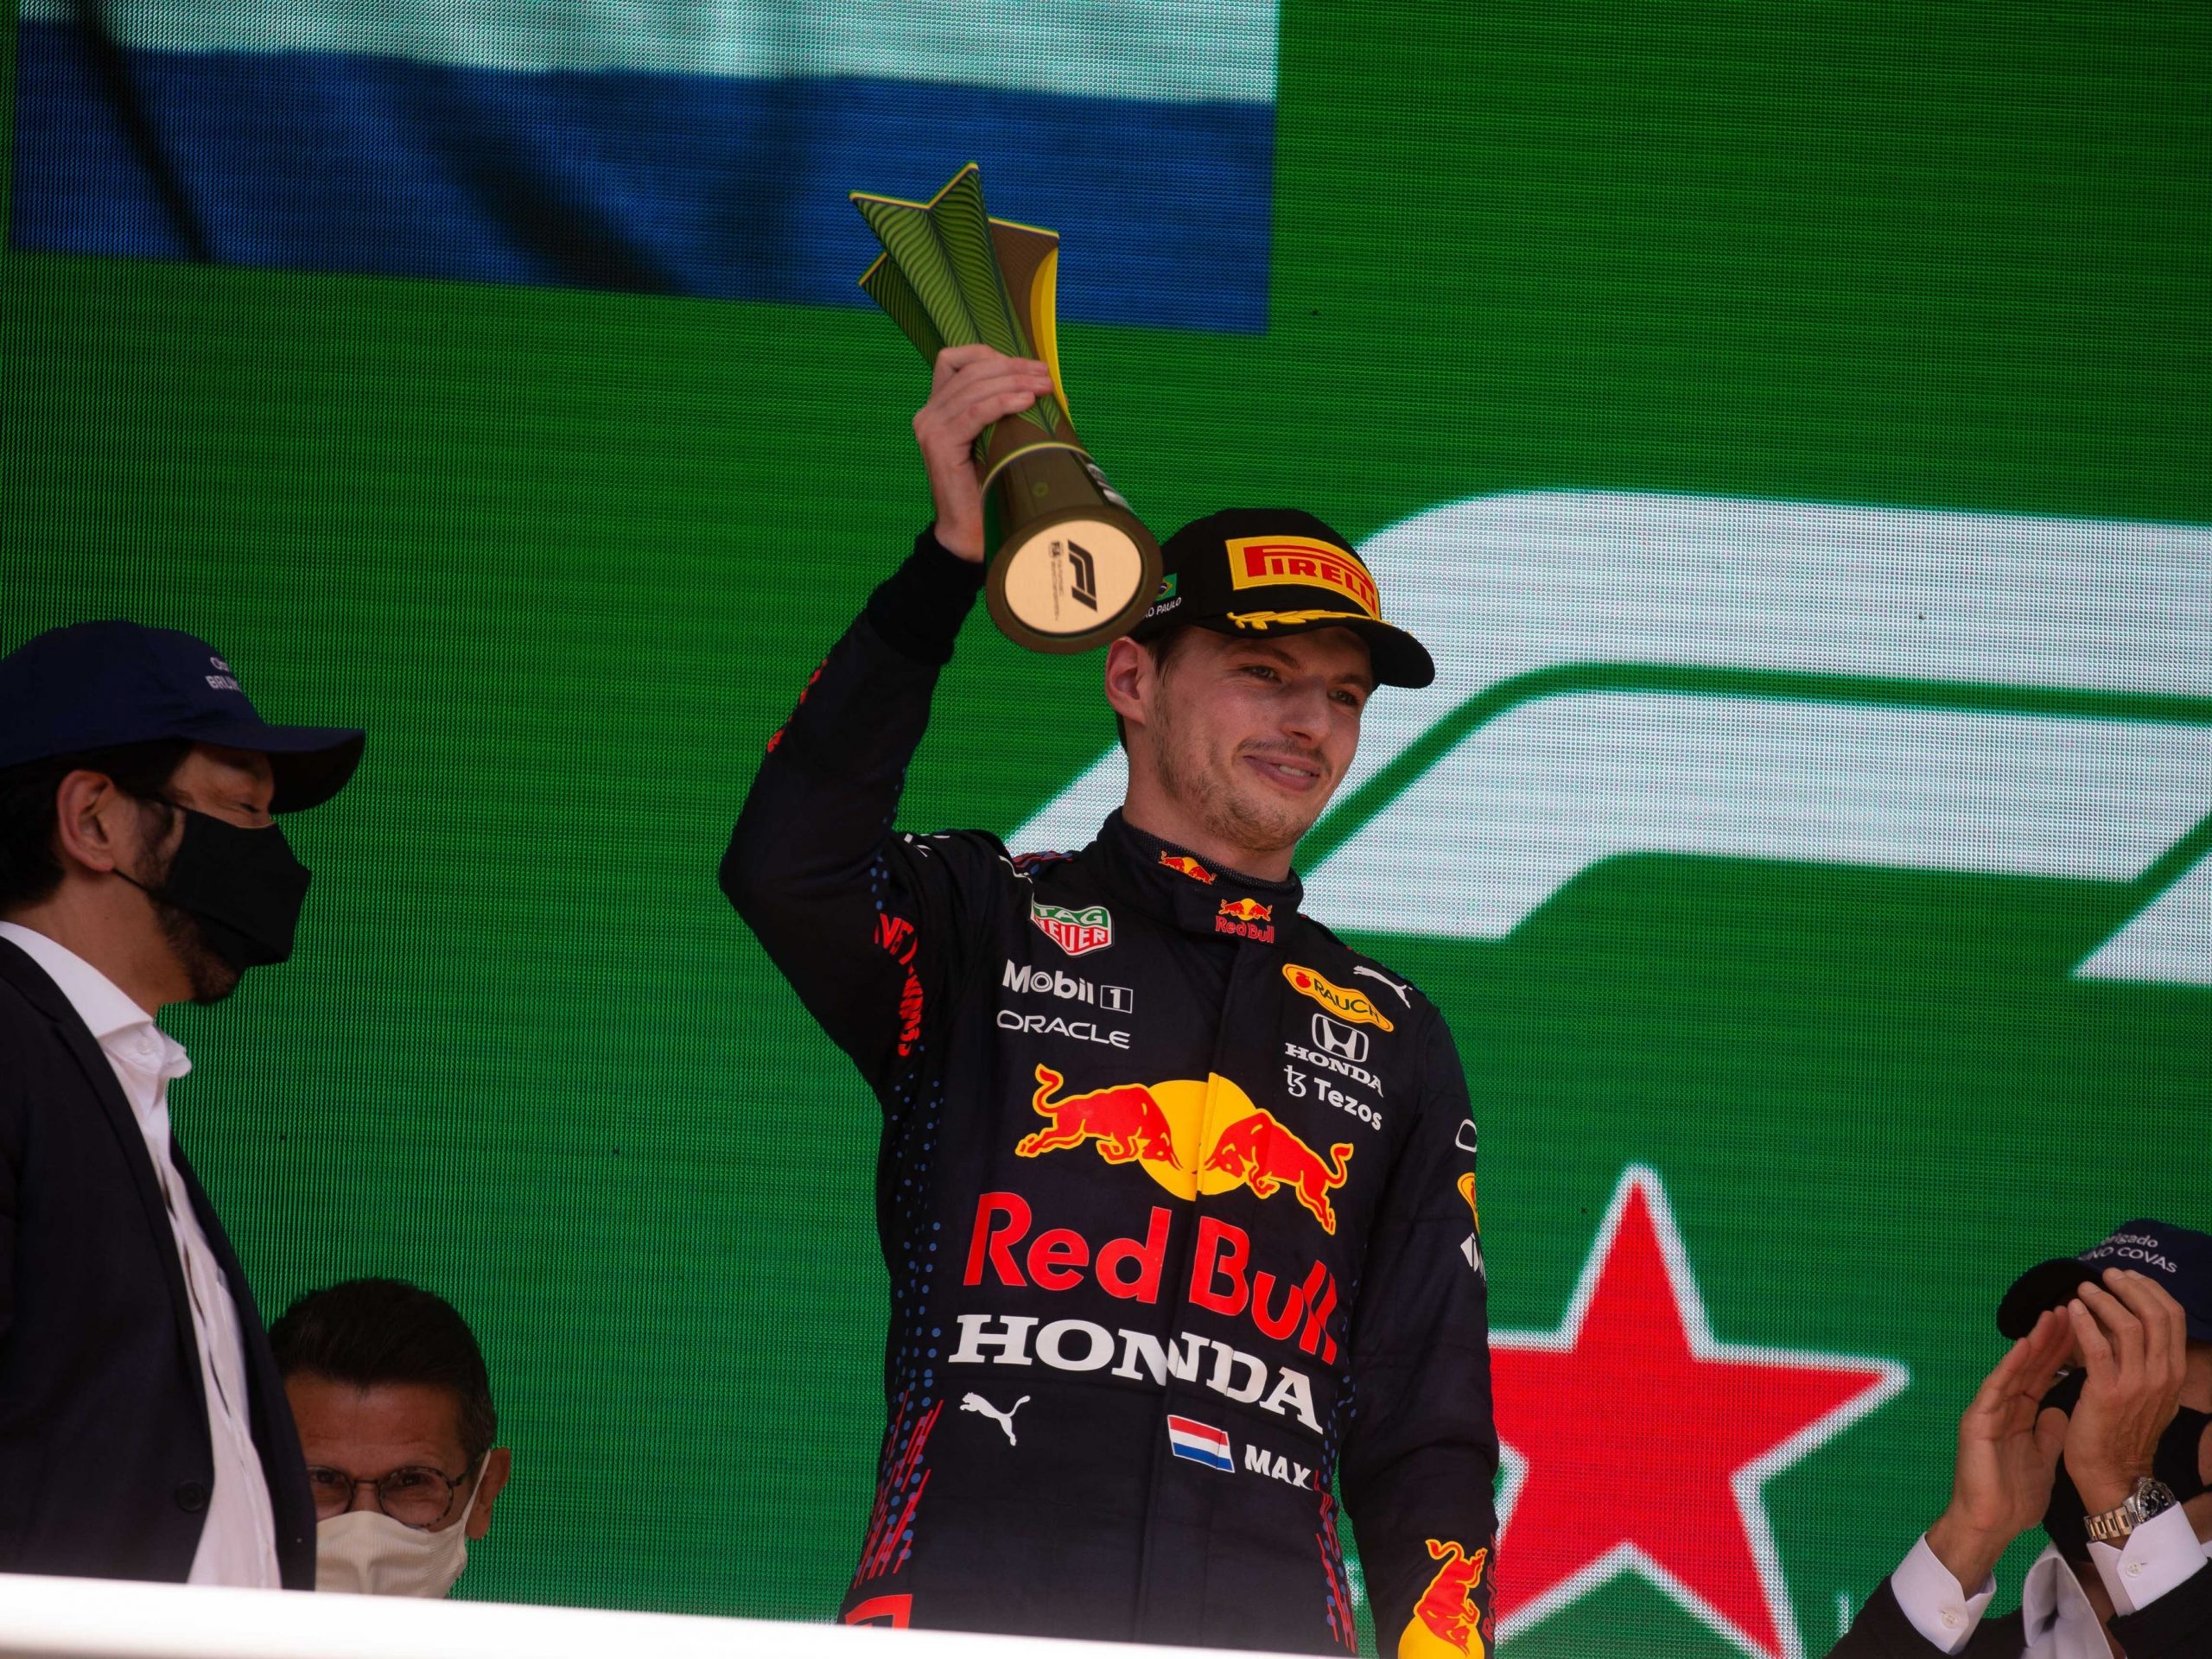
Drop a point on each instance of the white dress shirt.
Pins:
(2057, 1618)
(237, 1543)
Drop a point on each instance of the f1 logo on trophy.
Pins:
(1073, 567)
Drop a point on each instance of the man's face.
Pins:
(366, 1433)
(1251, 735)
(234, 785)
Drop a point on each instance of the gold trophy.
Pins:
(1073, 567)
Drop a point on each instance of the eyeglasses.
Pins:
(413, 1497)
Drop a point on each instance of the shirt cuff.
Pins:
(2158, 1556)
(919, 606)
(1930, 1598)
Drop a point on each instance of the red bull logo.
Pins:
(1447, 1611)
(1125, 1121)
(1356, 1007)
(1265, 1156)
(1191, 1136)
(1246, 918)
(1183, 864)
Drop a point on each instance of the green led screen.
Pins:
(1787, 426)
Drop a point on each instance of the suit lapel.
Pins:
(17, 968)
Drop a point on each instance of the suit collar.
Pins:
(97, 1001)
(1173, 885)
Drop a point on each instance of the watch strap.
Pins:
(2148, 1497)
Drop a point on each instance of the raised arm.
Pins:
(865, 922)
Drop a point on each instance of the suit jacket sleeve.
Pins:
(1421, 1455)
(1882, 1631)
(2177, 1625)
(12, 1161)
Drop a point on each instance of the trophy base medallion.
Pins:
(1074, 568)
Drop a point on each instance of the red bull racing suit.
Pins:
(1177, 1195)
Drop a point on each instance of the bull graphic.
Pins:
(1124, 1119)
(1446, 1607)
(1264, 1156)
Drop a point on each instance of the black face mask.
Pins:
(2173, 1465)
(243, 886)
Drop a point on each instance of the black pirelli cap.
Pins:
(1258, 572)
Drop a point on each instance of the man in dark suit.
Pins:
(2115, 1461)
(143, 1428)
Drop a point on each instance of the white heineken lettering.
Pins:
(1080, 1346)
(1083, 1031)
(1274, 1467)
(975, 1336)
(1069, 988)
(1554, 780)
(1358, 1074)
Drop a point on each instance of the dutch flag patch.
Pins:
(1200, 1442)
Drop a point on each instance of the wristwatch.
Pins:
(2149, 1498)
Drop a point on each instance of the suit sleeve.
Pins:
(1882, 1632)
(864, 922)
(1421, 1454)
(11, 1155)
(2177, 1625)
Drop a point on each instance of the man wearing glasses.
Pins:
(394, 1408)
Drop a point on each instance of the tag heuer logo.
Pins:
(1075, 932)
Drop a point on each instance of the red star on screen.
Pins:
(1641, 1444)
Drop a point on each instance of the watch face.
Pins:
(2150, 1498)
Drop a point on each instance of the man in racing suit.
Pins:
(1175, 1189)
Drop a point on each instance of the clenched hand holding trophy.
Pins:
(1071, 566)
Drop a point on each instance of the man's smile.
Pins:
(1296, 773)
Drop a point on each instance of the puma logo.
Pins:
(1392, 983)
(1003, 1418)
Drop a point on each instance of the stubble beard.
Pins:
(1211, 794)
(212, 978)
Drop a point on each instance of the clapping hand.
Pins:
(2009, 1445)
(2133, 1340)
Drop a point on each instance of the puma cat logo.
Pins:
(1003, 1418)
(1392, 983)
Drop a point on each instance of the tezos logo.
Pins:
(1075, 931)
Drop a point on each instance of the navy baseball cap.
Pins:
(1257, 572)
(2178, 1258)
(95, 685)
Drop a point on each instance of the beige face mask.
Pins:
(366, 1552)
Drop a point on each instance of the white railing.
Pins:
(101, 1619)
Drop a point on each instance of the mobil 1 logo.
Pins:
(1024, 980)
